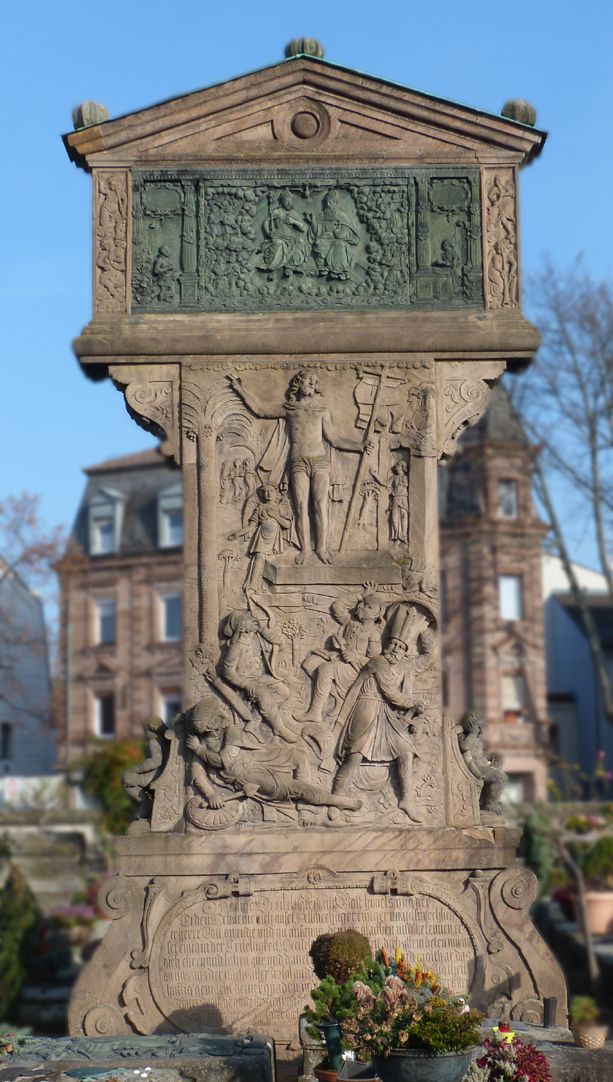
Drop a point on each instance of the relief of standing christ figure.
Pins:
(309, 428)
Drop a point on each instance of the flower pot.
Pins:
(417, 1065)
(589, 1034)
(353, 1070)
(599, 910)
(324, 1074)
(331, 1033)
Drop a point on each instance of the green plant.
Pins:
(20, 917)
(339, 954)
(583, 1009)
(396, 1006)
(537, 847)
(102, 774)
(598, 864)
(332, 1003)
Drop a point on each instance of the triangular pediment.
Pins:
(299, 110)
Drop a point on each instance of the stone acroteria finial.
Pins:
(304, 47)
(89, 112)
(521, 110)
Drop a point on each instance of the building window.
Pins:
(507, 499)
(510, 596)
(170, 618)
(106, 629)
(104, 715)
(106, 509)
(171, 528)
(6, 741)
(170, 517)
(513, 696)
(519, 789)
(170, 706)
(103, 536)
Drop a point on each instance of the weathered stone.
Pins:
(304, 47)
(312, 333)
(158, 1058)
(521, 110)
(89, 112)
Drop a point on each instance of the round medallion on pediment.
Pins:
(305, 125)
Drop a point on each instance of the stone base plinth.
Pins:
(212, 933)
(158, 1059)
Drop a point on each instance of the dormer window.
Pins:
(105, 518)
(170, 517)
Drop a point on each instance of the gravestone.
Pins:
(306, 283)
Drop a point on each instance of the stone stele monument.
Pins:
(306, 282)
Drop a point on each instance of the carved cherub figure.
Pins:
(223, 753)
(138, 779)
(471, 745)
(357, 640)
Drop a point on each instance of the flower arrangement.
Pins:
(511, 1061)
(74, 914)
(389, 1005)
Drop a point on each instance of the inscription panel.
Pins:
(272, 239)
(240, 962)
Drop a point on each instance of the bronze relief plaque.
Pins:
(265, 240)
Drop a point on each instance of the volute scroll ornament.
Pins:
(105, 1020)
(153, 402)
(118, 896)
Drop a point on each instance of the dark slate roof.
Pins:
(139, 479)
(152, 457)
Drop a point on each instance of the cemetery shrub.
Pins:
(20, 918)
(102, 774)
(598, 864)
(339, 954)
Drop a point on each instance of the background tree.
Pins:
(565, 400)
(28, 550)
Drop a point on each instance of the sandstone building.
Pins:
(491, 595)
(121, 589)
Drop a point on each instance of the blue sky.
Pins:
(128, 56)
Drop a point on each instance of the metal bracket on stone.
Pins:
(390, 882)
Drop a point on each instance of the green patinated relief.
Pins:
(279, 240)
